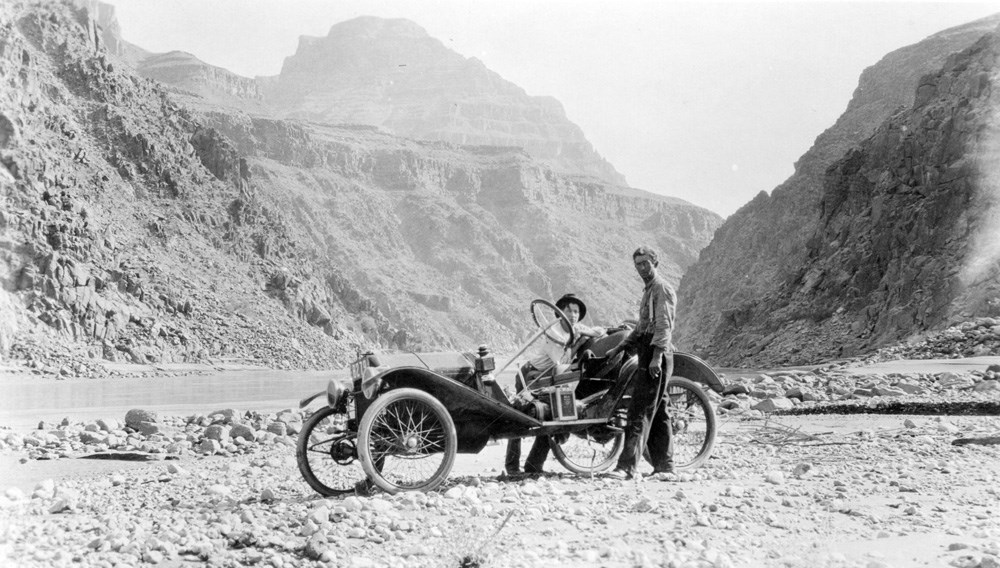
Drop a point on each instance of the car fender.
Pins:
(691, 367)
(461, 401)
(685, 365)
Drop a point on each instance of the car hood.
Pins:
(431, 361)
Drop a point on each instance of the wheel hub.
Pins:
(411, 443)
(343, 451)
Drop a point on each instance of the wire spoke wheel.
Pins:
(407, 441)
(693, 422)
(587, 452)
(326, 453)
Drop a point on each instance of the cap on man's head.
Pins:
(568, 299)
(647, 251)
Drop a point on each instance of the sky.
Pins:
(709, 102)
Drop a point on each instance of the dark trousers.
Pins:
(539, 450)
(648, 423)
(536, 457)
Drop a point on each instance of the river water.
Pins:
(26, 399)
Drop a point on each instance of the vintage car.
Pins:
(399, 420)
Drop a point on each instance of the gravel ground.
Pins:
(796, 491)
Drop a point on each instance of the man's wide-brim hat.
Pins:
(568, 299)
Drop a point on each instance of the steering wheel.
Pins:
(553, 322)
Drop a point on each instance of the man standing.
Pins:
(647, 415)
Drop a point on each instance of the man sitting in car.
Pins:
(552, 359)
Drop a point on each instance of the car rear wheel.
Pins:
(586, 453)
(407, 441)
(693, 422)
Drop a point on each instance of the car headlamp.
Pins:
(335, 391)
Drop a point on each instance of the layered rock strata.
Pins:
(391, 74)
(148, 226)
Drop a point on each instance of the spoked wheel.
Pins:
(326, 453)
(587, 453)
(407, 441)
(693, 420)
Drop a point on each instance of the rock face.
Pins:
(391, 74)
(185, 71)
(148, 226)
(864, 245)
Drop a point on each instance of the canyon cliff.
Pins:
(392, 74)
(153, 222)
(879, 234)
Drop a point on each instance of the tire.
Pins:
(586, 454)
(324, 437)
(407, 441)
(694, 422)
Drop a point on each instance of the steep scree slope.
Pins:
(763, 246)
(906, 231)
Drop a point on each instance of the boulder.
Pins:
(737, 388)
(209, 447)
(774, 404)
(888, 391)
(910, 388)
(136, 416)
(987, 386)
(217, 432)
(147, 428)
(226, 415)
(954, 381)
(242, 431)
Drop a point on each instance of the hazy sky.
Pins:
(711, 103)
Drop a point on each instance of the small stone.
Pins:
(177, 470)
(958, 546)
(14, 494)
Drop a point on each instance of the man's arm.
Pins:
(590, 331)
(663, 302)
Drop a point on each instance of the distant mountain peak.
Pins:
(374, 27)
(391, 74)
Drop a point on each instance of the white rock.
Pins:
(14, 494)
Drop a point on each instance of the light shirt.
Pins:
(656, 315)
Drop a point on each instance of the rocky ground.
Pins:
(223, 488)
